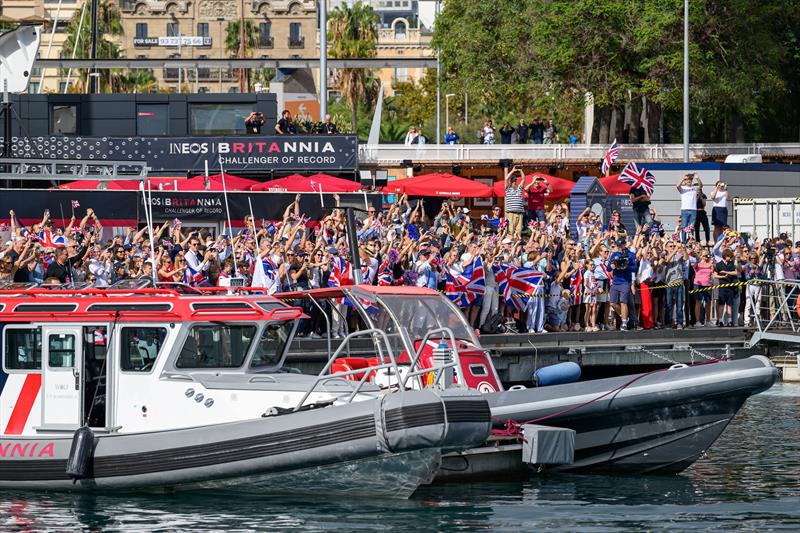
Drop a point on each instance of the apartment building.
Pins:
(164, 29)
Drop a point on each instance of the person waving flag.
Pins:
(638, 178)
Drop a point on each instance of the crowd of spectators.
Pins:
(255, 123)
(521, 267)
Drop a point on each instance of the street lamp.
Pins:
(686, 81)
(447, 111)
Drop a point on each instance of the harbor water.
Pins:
(750, 481)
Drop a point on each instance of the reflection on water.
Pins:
(750, 480)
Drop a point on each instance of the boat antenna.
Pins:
(228, 214)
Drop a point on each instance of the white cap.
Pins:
(466, 256)
(464, 210)
(506, 241)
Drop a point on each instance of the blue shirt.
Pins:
(450, 138)
(622, 276)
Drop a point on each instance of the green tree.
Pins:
(136, 81)
(232, 42)
(109, 24)
(353, 34)
(743, 55)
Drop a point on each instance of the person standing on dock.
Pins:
(622, 264)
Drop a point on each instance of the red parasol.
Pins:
(614, 186)
(446, 185)
(232, 183)
(561, 187)
(315, 183)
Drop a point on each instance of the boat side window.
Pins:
(22, 348)
(270, 347)
(216, 346)
(61, 350)
(140, 347)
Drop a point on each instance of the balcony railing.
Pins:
(266, 42)
(297, 43)
(394, 153)
(203, 74)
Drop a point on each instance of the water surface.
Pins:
(750, 481)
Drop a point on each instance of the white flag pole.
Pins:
(228, 213)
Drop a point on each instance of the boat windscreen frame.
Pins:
(248, 362)
(170, 367)
(354, 299)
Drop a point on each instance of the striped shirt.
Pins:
(514, 201)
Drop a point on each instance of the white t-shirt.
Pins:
(688, 198)
(721, 199)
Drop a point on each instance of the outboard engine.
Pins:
(558, 374)
(79, 463)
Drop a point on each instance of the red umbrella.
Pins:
(315, 183)
(446, 185)
(111, 185)
(614, 186)
(331, 183)
(561, 187)
(292, 183)
(232, 183)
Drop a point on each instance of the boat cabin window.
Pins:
(139, 348)
(23, 348)
(61, 350)
(270, 347)
(216, 346)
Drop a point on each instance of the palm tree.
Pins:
(136, 81)
(353, 34)
(108, 23)
(232, 34)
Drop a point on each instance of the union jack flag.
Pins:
(464, 288)
(638, 178)
(75, 204)
(513, 282)
(341, 272)
(385, 275)
(194, 278)
(50, 240)
(576, 287)
(611, 155)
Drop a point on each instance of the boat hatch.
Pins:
(129, 307)
(45, 308)
(269, 306)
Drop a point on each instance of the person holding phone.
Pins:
(719, 213)
(515, 204)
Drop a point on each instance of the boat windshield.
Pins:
(216, 346)
(272, 345)
(418, 314)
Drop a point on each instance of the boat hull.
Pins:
(658, 422)
(396, 439)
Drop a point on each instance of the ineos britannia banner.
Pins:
(296, 153)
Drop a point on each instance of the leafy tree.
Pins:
(353, 34)
(109, 23)
(744, 59)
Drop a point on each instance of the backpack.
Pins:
(493, 324)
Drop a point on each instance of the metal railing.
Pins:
(560, 152)
(445, 333)
(325, 377)
(297, 43)
(53, 169)
(774, 308)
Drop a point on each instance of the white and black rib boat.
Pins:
(660, 421)
(131, 389)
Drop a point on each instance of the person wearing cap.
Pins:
(688, 203)
(515, 203)
(622, 265)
